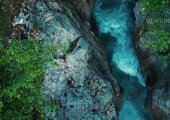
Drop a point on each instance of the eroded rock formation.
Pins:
(82, 83)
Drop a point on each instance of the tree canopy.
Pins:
(22, 66)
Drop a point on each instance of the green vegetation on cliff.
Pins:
(22, 67)
(157, 23)
(153, 5)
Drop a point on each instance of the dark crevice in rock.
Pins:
(119, 99)
(94, 26)
(73, 45)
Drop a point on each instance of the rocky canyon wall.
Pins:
(157, 75)
(81, 84)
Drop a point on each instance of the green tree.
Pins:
(158, 40)
(153, 5)
(157, 34)
(22, 66)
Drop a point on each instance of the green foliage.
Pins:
(4, 21)
(1, 45)
(153, 5)
(158, 40)
(156, 32)
(22, 67)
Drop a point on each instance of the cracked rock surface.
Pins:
(82, 84)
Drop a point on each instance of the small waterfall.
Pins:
(115, 17)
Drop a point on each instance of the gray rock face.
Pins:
(83, 7)
(82, 83)
(156, 74)
(140, 18)
(161, 100)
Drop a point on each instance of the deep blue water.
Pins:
(115, 22)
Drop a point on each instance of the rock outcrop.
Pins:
(156, 74)
(83, 7)
(81, 84)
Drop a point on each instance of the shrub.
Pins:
(22, 66)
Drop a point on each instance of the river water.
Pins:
(115, 21)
